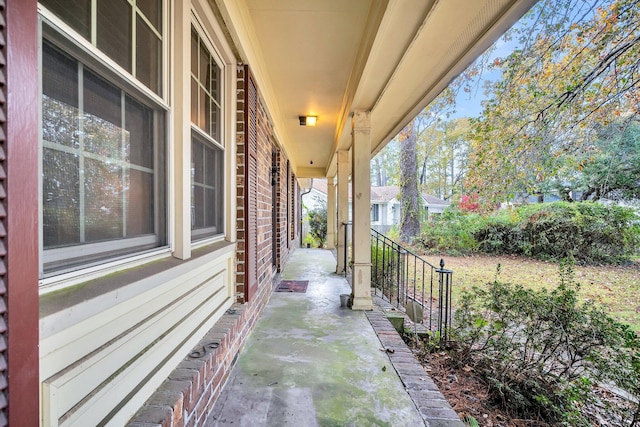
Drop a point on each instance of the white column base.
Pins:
(362, 287)
(362, 303)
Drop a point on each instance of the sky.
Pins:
(470, 104)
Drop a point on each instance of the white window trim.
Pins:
(206, 24)
(73, 276)
(107, 62)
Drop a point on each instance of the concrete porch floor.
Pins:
(310, 362)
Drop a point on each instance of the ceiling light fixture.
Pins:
(308, 120)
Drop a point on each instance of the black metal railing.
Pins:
(346, 226)
(402, 277)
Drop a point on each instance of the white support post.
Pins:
(343, 206)
(331, 213)
(361, 182)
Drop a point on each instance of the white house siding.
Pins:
(101, 358)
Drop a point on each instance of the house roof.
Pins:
(320, 185)
(387, 193)
(332, 58)
(433, 200)
(384, 193)
(381, 194)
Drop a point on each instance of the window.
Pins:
(130, 35)
(424, 214)
(375, 212)
(207, 154)
(103, 160)
(207, 166)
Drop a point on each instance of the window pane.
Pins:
(114, 31)
(60, 198)
(139, 203)
(211, 208)
(197, 162)
(214, 87)
(148, 57)
(76, 13)
(210, 161)
(207, 194)
(139, 126)
(152, 10)
(102, 118)
(197, 220)
(103, 200)
(59, 98)
(194, 101)
(215, 122)
(203, 111)
(194, 52)
(205, 89)
(205, 61)
(207, 116)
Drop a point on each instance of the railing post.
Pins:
(444, 301)
(346, 247)
(395, 269)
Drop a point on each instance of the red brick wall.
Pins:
(265, 202)
(266, 230)
(188, 395)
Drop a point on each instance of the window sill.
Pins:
(115, 283)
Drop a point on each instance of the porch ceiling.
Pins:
(332, 57)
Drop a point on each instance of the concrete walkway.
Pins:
(311, 363)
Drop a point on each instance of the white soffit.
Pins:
(332, 57)
(309, 49)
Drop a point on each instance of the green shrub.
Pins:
(498, 235)
(590, 233)
(318, 225)
(542, 352)
(451, 232)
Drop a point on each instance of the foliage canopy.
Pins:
(568, 97)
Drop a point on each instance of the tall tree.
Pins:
(442, 154)
(576, 70)
(610, 168)
(410, 218)
(384, 166)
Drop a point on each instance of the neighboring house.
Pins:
(151, 154)
(386, 209)
(315, 197)
(530, 199)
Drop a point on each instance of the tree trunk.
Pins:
(423, 174)
(378, 171)
(409, 222)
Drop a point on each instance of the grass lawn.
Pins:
(617, 288)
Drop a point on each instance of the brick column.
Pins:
(361, 199)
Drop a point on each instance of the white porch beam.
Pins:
(361, 182)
